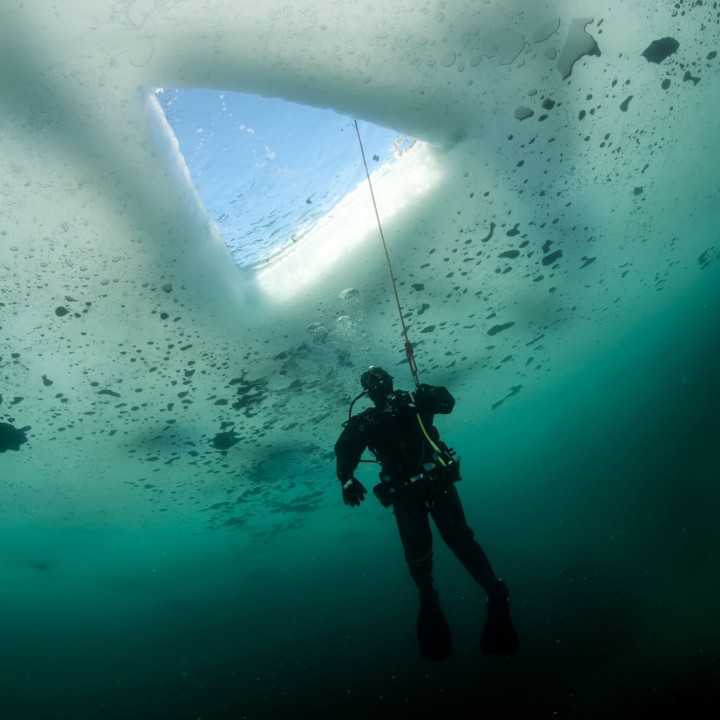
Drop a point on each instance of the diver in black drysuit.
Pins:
(418, 472)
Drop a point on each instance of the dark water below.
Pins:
(597, 501)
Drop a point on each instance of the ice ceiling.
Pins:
(567, 192)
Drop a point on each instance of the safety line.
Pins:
(408, 345)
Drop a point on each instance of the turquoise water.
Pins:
(600, 519)
(173, 544)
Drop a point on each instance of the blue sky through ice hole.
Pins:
(268, 169)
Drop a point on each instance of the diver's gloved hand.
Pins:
(353, 491)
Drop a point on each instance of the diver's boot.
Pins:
(499, 636)
(433, 631)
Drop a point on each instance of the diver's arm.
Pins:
(349, 449)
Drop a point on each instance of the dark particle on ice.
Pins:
(658, 50)
(665, 84)
(490, 234)
(688, 76)
(552, 257)
(46, 381)
(109, 392)
(60, 311)
(495, 329)
(514, 390)
(626, 103)
(523, 113)
(11, 438)
(707, 257)
(638, 190)
(225, 440)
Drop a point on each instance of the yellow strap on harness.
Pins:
(438, 451)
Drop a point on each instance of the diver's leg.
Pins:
(448, 514)
(499, 636)
(433, 631)
(416, 537)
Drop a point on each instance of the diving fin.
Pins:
(499, 636)
(433, 630)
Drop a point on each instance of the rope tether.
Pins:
(408, 345)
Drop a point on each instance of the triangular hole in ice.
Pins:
(267, 169)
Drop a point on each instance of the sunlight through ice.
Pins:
(351, 223)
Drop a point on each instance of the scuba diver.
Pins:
(417, 479)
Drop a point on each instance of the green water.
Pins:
(145, 575)
(596, 500)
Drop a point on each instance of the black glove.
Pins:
(353, 491)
